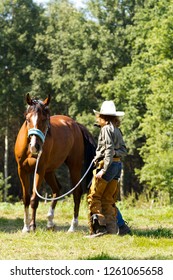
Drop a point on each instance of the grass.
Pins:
(152, 237)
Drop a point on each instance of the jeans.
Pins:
(120, 221)
(113, 171)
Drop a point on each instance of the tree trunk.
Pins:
(6, 164)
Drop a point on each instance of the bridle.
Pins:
(37, 132)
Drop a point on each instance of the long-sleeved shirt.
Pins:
(110, 145)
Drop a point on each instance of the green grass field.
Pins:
(151, 224)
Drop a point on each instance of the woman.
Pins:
(104, 188)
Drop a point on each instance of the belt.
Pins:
(116, 159)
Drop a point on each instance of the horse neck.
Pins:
(25, 129)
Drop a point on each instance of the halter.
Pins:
(37, 132)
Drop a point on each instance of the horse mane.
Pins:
(38, 106)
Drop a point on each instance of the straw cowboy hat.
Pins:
(108, 108)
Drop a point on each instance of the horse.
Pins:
(61, 140)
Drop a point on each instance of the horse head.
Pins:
(37, 122)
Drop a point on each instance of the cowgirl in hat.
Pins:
(104, 189)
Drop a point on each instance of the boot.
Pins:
(95, 219)
(108, 206)
(124, 229)
(97, 226)
(111, 224)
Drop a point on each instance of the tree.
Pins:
(83, 51)
(143, 88)
(157, 124)
(86, 51)
(128, 89)
(20, 20)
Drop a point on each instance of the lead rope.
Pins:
(59, 197)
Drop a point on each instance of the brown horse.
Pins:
(60, 139)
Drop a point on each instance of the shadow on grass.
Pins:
(154, 233)
(104, 256)
(16, 224)
(65, 228)
(10, 225)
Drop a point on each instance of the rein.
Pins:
(58, 197)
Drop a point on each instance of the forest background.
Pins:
(119, 50)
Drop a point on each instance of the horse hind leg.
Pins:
(77, 198)
(34, 205)
(25, 182)
(26, 227)
(74, 225)
(34, 201)
(52, 181)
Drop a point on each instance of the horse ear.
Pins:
(47, 100)
(28, 99)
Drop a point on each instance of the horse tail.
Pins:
(89, 153)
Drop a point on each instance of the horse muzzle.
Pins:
(36, 132)
(36, 140)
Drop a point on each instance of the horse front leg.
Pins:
(52, 181)
(77, 198)
(26, 220)
(75, 174)
(34, 205)
(50, 215)
(35, 200)
(25, 182)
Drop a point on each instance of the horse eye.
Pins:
(44, 120)
(28, 120)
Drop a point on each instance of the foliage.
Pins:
(1, 186)
(2, 183)
(20, 21)
(82, 54)
(157, 123)
(70, 59)
(120, 50)
(143, 88)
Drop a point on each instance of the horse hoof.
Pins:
(72, 229)
(50, 224)
(52, 228)
(73, 226)
(25, 230)
(50, 216)
(32, 227)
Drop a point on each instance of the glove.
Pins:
(100, 174)
(96, 162)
